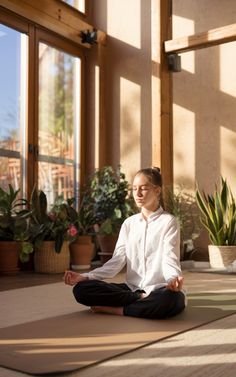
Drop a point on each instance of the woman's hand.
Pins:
(72, 278)
(176, 284)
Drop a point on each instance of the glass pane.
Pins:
(56, 178)
(9, 172)
(59, 125)
(78, 4)
(13, 79)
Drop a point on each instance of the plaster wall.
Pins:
(131, 80)
(204, 106)
(204, 103)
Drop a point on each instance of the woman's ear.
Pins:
(158, 190)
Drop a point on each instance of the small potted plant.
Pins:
(82, 248)
(112, 204)
(51, 231)
(219, 218)
(14, 230)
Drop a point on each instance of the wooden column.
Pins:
(162, 135)
(102, 106)
(166, 96)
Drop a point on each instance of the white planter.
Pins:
(221, 256)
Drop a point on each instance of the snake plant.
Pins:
(218, 214)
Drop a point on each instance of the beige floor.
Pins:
(207, 351)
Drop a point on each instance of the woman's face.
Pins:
(145, 194)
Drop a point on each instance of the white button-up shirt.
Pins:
(150, 249)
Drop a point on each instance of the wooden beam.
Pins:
(102, 107)
(205, 39)
(166, 152)
(55, 16)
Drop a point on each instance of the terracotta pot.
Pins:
(46, 260)
(107, 244)
(221, 256)
(9, 257)
(81, 253)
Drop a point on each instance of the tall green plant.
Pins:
(219, 214)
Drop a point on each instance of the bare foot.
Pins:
(143, 295)
(107, 309)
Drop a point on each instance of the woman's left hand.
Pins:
(176, 284)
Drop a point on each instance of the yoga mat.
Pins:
(70, 342)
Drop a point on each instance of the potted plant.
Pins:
(51, 230)
(14, 230)
(112, 204)
(182, 204)
(219, 218)
(82, 248)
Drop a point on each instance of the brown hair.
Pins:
(153, 174)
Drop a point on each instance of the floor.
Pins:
(209, 350)
(27, 279)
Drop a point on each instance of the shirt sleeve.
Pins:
(171, 253)
(114, 265)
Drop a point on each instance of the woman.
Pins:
(148, 245)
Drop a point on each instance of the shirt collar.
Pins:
(153, 216)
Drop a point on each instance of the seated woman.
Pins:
(149, 247)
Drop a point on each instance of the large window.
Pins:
(13, 102)
(40, 111)
(59, 115)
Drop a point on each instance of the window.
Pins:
(59, 114)
(13, 101)
(40, 111)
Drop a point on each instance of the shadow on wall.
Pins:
(205, 90)
(129, 73)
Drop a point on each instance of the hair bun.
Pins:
(156, 168)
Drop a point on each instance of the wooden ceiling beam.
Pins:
(55, 16)
(205, 39)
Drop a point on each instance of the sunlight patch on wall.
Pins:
(155, 27)
(227, 155)
(184, 146)
(188, 61)
(182, 27)
(227, 68)
(130, 127)
(124, 21)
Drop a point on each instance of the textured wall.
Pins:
(130, 58)
(204, 98)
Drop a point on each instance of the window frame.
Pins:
(37, 34)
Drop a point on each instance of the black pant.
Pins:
(161, 303)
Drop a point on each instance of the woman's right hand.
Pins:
(72, 278)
